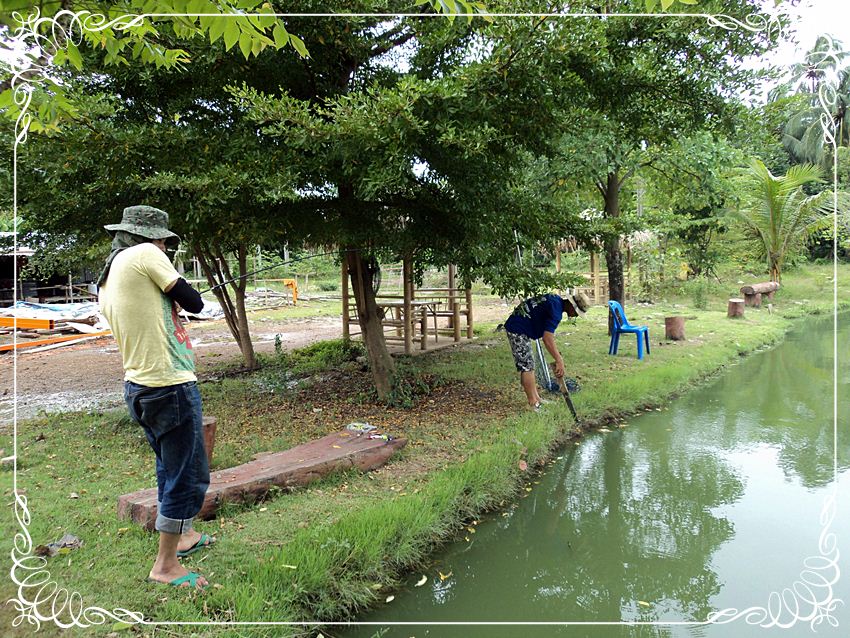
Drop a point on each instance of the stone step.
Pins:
(251, 481)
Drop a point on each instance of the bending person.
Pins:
(538, 318)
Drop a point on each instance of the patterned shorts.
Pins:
(521, 349)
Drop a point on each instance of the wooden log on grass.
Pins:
(735, 308)
(674, 328)
(753, 293)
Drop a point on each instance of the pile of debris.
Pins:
(37, 327)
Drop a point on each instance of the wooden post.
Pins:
(454, 295)
(210, 423)
(469, 326)
(423, 340)
(407, 270)
(594, 275)
(736, 308)
(346, 331)
(452, 301)
(674, 328)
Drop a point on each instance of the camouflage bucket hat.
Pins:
(146, 221)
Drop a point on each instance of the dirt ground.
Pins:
(89, 375)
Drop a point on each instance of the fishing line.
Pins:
(284, 263)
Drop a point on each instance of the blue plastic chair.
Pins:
(622, 325)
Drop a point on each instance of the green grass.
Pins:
(341, 545)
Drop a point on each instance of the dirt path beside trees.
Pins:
(88, 375)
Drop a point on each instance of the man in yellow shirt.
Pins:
(139, 293)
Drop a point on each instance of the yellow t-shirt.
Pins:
(153, 343)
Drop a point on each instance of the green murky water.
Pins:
(716, 503)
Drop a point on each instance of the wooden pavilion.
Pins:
(416, 319)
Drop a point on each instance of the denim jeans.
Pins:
(172, 421)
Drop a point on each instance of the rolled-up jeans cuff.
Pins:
(172, 525)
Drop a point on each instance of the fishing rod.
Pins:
(284, 263)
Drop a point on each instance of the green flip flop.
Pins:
(191, 578)
(204, 541)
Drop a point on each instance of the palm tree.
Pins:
(803, 135)
(825, 56)
(777, 215)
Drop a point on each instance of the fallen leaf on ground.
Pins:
(444, 576)
(523, 466)
(643, 603)
(421, 581)
(390, 599)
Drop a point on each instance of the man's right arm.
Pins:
(549, 342)
(188, 298)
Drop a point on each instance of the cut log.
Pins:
(210, 423)
(736, 308)
(252, 481)
(674, 328)
(753, 293)
(769, 286)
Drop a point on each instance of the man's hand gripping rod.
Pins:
(566, 392)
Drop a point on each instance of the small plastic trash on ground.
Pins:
(360, 428)
(64, 545)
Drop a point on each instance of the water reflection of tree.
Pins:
(639, 529)
(784, 397)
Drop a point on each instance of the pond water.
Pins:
(723, 501)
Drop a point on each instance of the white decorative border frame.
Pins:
(810, 599)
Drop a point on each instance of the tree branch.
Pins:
(392, 44)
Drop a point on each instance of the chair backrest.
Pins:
(619, 315)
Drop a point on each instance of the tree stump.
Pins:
(210, 423)
(674, 328)
(736, 308)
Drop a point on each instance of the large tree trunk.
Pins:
(613, 255)
(216, 270)
(369, 316)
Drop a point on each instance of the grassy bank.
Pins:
(326, 551)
